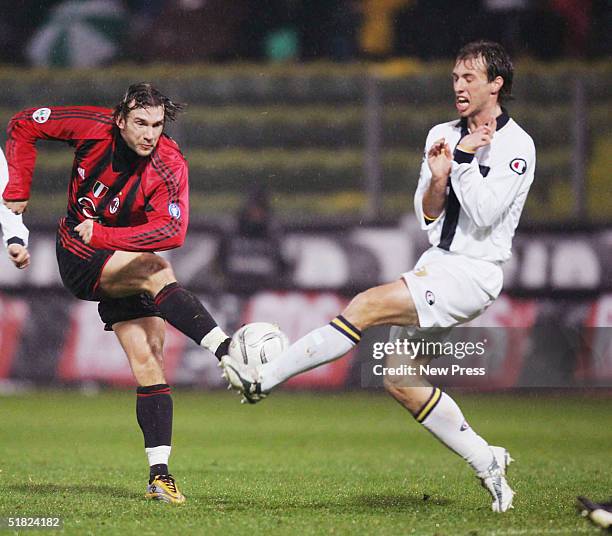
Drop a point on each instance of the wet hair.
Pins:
(144, 95)
(497, 62)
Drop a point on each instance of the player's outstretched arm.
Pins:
(74, 123)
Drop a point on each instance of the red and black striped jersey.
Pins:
(137, 203)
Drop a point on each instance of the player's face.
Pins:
(142, 128)
(474, 94)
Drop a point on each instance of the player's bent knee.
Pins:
(151, 264)
(126, 273)
(157, 273)
(157, 350)
(361, 309)
(386, 304)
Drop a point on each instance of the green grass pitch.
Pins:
(300, 464)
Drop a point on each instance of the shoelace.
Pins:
(169, 481)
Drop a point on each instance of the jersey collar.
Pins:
(123, 157)
(502, 121)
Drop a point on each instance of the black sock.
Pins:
(185, 312)
(154, 414)
(158, 469)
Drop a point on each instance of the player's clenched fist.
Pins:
(16, 207)
(19, 255)
(85, 230)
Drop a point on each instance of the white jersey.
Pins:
(486, 191)
(12, 224)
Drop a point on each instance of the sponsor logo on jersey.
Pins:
(420, 272)
(81, 172)
(88, 207)
(518, 165)
(114, 206)
(41, 115)
(99, 189)
(430, 297)
(174, 210)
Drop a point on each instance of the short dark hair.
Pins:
(497, 62)
(144, 95)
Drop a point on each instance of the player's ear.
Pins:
(497, 84)
(120, 121)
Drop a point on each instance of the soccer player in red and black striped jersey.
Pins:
(127, 199)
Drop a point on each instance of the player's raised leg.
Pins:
(390, 303)
(128, 273)
(385, 304)
(142, 340)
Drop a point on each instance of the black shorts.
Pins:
(80, 268)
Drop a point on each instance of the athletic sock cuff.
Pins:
(165, 292)
(217, 341)
(429, 406)
(223, 348)
(152, 390)
(346, 328)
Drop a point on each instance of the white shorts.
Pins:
(449, 289)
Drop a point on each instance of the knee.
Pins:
(156, 351)
(157, 272)
(149, 372)
(361, 308)
(152, 264)
(147, 365)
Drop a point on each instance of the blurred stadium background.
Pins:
(304, 134)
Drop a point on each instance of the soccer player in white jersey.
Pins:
(14, 232)
(474, 180)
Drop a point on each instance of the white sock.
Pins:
(159, 454)
(213, 339)
(318, 347)
(444, 419)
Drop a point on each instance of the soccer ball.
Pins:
(258, 343)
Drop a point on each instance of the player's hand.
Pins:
(85, 230)
(479, 138)
(17, 207)
(19, 255)
(439, 159)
